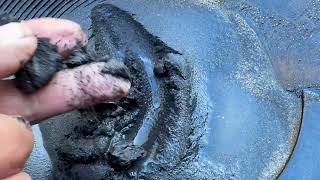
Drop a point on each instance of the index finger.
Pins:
(64, 33)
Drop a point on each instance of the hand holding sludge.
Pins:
(37, 53)
(51, 92)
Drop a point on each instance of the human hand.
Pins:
(64, 93)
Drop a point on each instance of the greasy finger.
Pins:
(16, 140)
(77, 88)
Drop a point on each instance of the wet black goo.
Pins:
(120, 139)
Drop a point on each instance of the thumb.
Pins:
(16, 142)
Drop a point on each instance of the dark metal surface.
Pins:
(245, 56)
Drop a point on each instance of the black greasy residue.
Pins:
(38, 72)
(121, 38)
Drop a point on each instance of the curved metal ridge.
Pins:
(5, 5)
(34, 10)
(27, 9)
(65, 9)
(46, 9)
(41, 9)
(12, 6)
(304, 162)
(19, 7)
(1, 4)
(297, 138)
(53, 8)
(20, 13)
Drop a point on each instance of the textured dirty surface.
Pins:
(229, 107)
(235, 93)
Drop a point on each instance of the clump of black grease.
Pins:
(40, 70)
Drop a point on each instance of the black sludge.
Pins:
(40, 70)
(126, 133)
